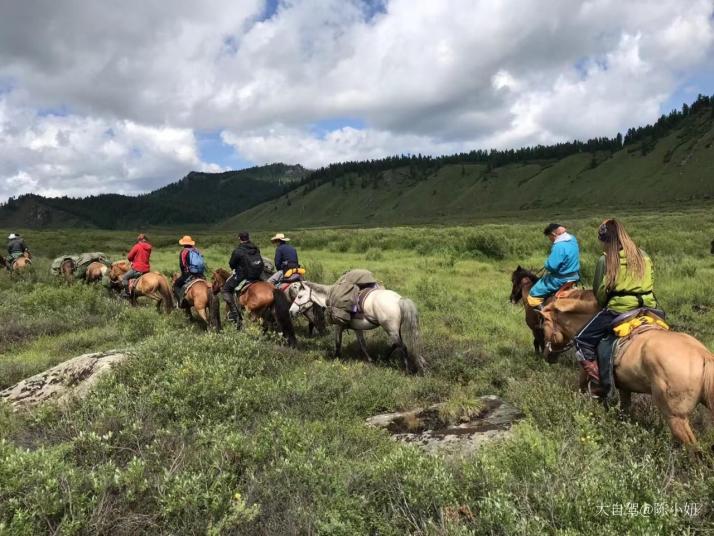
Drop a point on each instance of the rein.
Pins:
(304, 306)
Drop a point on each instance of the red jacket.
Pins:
(139, 257)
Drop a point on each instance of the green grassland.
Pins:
(232, 433)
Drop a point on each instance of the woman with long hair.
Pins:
(623, 282)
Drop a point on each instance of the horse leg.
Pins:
(625, 402)
(338, 341)
(677, 419)
(363, 345)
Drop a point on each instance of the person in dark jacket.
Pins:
(16, 248)
(243, 262)
(188, 244)
(138, 256)
(286, 258)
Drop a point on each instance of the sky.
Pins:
(129, 96)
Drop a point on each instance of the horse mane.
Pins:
(520, 273)
(222, 272)
(317, 286)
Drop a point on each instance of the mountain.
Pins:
(670, 161)
(198, 198)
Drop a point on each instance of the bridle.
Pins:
(308, 304)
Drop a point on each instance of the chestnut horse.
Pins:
(199, 295)
(675, 368)
(95, 271)
(153, 285)
(20, 263)
(262, 301)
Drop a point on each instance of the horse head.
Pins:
(520, 279)
(218, 279)
(303, 300)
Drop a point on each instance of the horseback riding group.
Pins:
(618, 329)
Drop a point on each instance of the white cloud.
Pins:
(423, 76)
(74, 155)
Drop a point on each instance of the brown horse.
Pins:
(67, 269)
(199, 295)
(20, 264)
(675, 368)
(153, 285)
(95, 272)
(263, 302)
(522, 281)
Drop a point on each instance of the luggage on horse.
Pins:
(344, 295)
(56, 265)
(85, 259)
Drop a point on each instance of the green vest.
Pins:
(629, 292)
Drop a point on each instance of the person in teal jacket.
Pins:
(562, 265)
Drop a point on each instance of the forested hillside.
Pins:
(670, 161)
(198, 198)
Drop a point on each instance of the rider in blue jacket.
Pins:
(562, 265)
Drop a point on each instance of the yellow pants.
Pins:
(533, 301)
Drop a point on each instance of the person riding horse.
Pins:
(286, 258)
(191, 266)
(562, 265)
(138, 256)
(247, 265)
(16, 248)
(623, 282)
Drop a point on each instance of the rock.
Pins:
(426, 428)
(71, 378)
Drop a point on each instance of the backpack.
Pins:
(252, 266)
(195, 262)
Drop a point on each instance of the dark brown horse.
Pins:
(263, 302)
(522, 281)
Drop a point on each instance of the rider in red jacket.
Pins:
(139, 257)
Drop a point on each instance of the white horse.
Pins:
(398, 316)
(315, 315)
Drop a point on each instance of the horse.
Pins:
(67, 269)
(315, 315)
(675, 368)
(95, 271)
(262, 301)
(198, 294)
(153, 285)
(522, 281)
(21, 263)
(398, 317)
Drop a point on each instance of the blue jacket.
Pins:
(564, 259)
(563, 266)
(286, 257)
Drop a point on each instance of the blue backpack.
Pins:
(195, 261)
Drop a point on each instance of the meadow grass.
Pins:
(234, 433)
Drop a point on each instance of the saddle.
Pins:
(357, 310)
(243, 286)
(186, 287)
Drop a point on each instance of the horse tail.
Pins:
(281, 312)
(214, 310)
(708, 388)
(167, 297)
(410, 334)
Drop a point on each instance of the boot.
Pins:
(233, 311)
(591, 369)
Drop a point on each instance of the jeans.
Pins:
(276, 277)
(131, 274)
(587, 340)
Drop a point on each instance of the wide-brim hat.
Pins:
(12, 236)
(187, 241)
(281, 237)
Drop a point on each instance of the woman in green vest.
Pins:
(623, 282)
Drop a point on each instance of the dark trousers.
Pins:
(599, 327)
